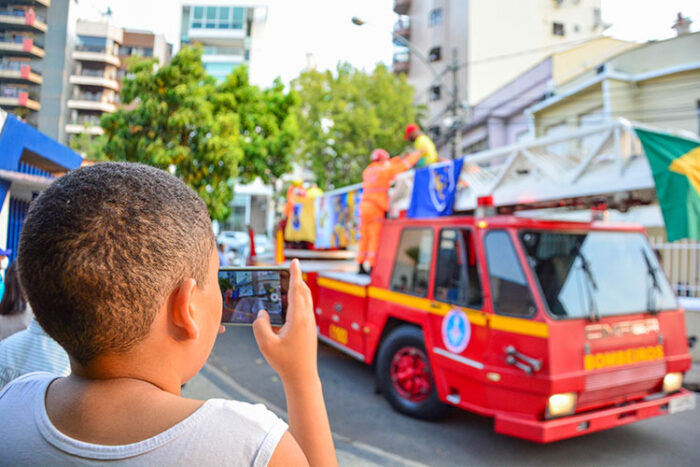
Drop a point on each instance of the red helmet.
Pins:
(410, 128)
(379, 155)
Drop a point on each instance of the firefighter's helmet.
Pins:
(379, 155)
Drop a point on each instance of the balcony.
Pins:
(46, 3)
(401, 62)
(22, 20)
(91, 101)
(86, 78)
(11, 97)
(95, 54)
(85, 127)
(401, 7)
(19, 72)
(402, 27)
(21, 46)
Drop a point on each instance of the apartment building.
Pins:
(34, 37)
(94, 76)
(143, 44)
(490, 42)
(100, 59)
(228, 32)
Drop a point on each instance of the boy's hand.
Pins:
(291, 352)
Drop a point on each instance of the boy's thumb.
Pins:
(262, 330)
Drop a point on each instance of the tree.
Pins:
(344, 115)
(89, 146)
(171, 122)
(268, 126)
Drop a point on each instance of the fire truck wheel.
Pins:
(404, 376)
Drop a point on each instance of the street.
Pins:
(365, 426)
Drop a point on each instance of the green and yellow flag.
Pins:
(675, 165)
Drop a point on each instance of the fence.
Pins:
(681, 261)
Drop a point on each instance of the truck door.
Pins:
(517, 347)
(457, 322)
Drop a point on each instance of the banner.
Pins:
(301, 226)
(337, 218)
(434, 189)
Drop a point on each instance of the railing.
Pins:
(681, 262)
(16, 66)
(21, 14)
(91, 48)
(87, 121)
(20, 40)
(403, 23)
(10, 91)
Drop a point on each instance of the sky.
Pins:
(323, 27)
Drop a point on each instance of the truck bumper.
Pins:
(595, 420)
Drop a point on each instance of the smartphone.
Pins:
(247, 290)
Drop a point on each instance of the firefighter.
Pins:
(422, 144)
(295, 190)
(376, 180)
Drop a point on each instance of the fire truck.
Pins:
(553, 328)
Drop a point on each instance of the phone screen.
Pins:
(245, 291)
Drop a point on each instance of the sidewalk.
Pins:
(211, 382)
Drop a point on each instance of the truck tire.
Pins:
(404, 375)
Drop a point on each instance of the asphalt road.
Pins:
(360, 416)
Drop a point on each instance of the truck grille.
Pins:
(602, 386)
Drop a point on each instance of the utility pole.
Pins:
(455, 106)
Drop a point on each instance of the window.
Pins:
(509, 290)
(435, 54)
(435, 93)
(198, 17)
(435, 17)
(412, 266)
(579, 280)
(457, 277)
(558, 29)
(218, 17)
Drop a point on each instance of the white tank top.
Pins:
(220, 432)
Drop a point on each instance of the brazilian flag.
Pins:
(675, 165)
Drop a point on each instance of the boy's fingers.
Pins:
(262, 330)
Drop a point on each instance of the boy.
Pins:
(120, 266)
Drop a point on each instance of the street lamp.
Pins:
(437, 77)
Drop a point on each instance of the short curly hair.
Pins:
(103, 247)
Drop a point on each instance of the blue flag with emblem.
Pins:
(434, 189)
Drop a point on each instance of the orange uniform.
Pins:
(376, 180)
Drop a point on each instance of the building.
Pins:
(657, 83)
(35, 36)
(490, 42)
(30, 162)
(94, 76)
(499, 119)
(136, 43)
(100, 59)
(228, 31)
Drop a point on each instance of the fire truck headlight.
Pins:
(559, 405)
(672, 382)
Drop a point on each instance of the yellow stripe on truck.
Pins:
(350, 289)
(478, 318)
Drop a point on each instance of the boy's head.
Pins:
(103, 248)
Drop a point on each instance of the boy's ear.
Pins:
(182, 309)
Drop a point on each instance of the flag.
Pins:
(675, 166)
(301, 225)
(434, 189)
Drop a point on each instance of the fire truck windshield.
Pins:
(597, 274)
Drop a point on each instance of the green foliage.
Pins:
(268, 125)
(208, 134)
(89, 146)
(344, 115)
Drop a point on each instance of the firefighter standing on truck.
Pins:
(376, 180)
(422, 144)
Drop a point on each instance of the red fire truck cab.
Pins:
(555, 329)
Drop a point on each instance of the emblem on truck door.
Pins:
(624, 328)
(456, 331)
